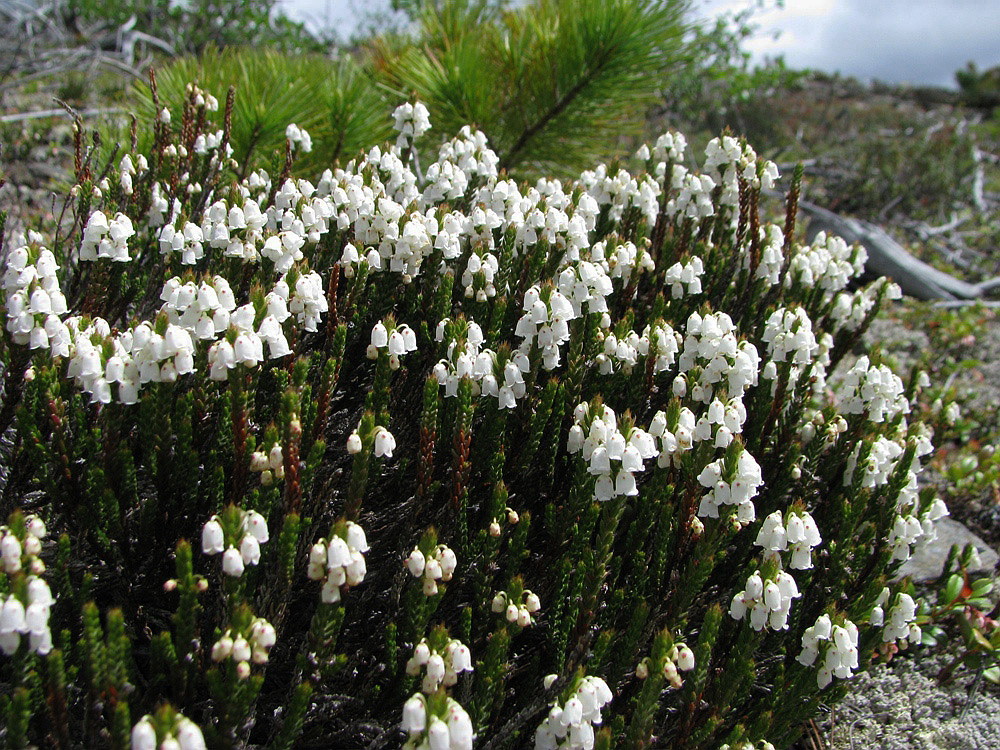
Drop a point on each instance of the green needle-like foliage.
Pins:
(557, 85)
(553, 83)
(336, 101)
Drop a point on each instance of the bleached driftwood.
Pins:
(886, 257)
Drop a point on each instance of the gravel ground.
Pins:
(901, 706)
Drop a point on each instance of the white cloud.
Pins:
(904, 41)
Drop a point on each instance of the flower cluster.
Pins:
(850, 311)
(517, 608)
(299, 138)
(679, 659)
(881, 462)
(669, 147)
(32, 620)
(693, 199)
(622, 261)
(674, 433)
(25, 608)
(438, 566)
(351, 258)
(789, 337)
(411, 121)
(586, 283)
(383, 443)
(107, 239)
(206, 143)
(797, 534)
(399, 340)
(186, 241)
(712, 351)
(339, 561)
(34, 300)
(203, 308)
(660, 341)
(622, 351)
(545, 324)
(436, 723)
(734, 479)
(242, 647)
(899, 623)
(772, 256)
(664, 343)
(685, 279)
(442, 666)
(622, 191)
(768, 601)
(167, 730)
(497, 374)
(873, 390)
(839, 644)
(570, 725)
(734, 162)
(828, 263)
(270, 465)
(910, 529)
(127, 170)
(21, 550)
(596, 436)
(237, 534)
(478, 276)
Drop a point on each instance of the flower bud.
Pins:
(212, 539)
(222, 649)
(415, 563)
(354, 443)
(523, 617)
(232, 562)
(685, 658)
(143, 735)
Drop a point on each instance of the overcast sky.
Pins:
(899, 41)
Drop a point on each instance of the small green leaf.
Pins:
(981, 639)
(953, 589)
(982, 587)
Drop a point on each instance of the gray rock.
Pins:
(927, 562)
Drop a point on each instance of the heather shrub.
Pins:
(428, 457)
